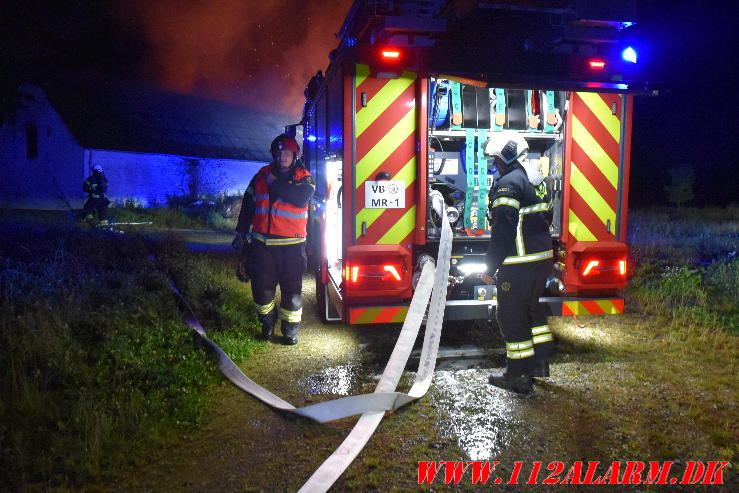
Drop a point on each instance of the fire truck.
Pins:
(394, 133)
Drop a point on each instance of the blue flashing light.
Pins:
(629, 54)
(311, 138)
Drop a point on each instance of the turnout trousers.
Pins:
(270, 265)
(521, 317)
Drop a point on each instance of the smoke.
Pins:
(256, 53)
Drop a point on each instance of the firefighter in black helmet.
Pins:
(273, 222)
(520, 250)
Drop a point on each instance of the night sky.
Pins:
(261, 53)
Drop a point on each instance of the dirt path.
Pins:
(599, 405)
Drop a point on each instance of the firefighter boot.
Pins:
(521, 384)
(290, 332)
(268, 324)
(541, 369)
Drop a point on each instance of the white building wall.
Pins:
(52, 180)
(149, 179)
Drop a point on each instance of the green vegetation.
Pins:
(96, 361)
(212, 212)
(687, 272)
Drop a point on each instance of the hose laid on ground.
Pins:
(433, 283)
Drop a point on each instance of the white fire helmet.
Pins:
(508, 145)
(97, 167)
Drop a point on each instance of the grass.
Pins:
(217, 212)
(97, 364)
(659, 382)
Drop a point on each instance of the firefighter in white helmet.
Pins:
(520, 251)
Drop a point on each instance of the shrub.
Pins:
(95, 358)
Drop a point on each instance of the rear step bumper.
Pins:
(485, 309)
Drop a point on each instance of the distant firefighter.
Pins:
(96, 186)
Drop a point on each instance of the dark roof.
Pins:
(125, 116)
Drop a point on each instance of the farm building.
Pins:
(152, 144)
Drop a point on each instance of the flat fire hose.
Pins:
(371, 406)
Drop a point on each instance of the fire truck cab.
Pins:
(394, 134)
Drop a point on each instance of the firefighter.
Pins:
(520, 251)
(96, 186)
(272, 225)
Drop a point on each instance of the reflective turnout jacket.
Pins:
(520, 215)
(277, 213)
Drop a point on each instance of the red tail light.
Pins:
(603, 269)
(372, 274)
(596, 64)
(591, 268)
(388, 54)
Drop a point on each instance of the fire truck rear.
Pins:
(394, 136)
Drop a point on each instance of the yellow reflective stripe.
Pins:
(533, 257)
(291, 315)
(401, 229)
(386, 146)
(277, 241)
(541, 207)
(594, 200)
(506, 201)
(519, 237)
(594, 151)
(265, 309)
(541, 329)
(520, 354)
(607, 306)
(369, 216)
(603, 112)
(578, 229)
(518, 346)
(543, 338)
(363, 72)
(382, 100)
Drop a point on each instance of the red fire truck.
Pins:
(394, 132)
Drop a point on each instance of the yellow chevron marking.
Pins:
(386, 146)
(363, 72)
(369, 216)
(601, 110)
(595, 152)
(594, 200)
(368, 316)
(400, 316)
(382, 100)
(400, 230)
(578, 229)
(607, 306)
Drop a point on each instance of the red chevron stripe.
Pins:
(371, 86)
(594, 175)
(387, 315)
(385, 122)
(592, 307)
(580, 207)
(596, 128)
(619, 304)
(566, 310)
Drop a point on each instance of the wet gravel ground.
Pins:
(246, 446)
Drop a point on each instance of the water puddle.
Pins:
(337, 380)
(478, 416)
